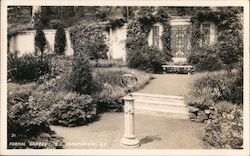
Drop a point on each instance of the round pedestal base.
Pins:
(130, 142)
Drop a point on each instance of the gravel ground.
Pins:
(153, 133)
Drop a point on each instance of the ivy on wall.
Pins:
(229, 48)
(89, 38)
(139, 54)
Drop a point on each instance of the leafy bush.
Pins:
(212, 88)
(205, 91)
(108, 63)
(20, 91)
(60, 64)
(73, 110)
(25, 118)
(109, 91)
(47, 99)
(145, 58)
(234, 87)
(60, 41)
(27, 67)
(230, 40)
(139, 54)
(110, 98)
(40, 41)
(89, 38)
(226, 131)
(205, 59)
(80, 79)
(215, 87)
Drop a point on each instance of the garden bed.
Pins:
(217, 99)
(51, 100)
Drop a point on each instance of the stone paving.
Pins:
(168, 84)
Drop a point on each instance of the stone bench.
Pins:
(190, 69)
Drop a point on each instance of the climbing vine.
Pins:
(139, 54)
(229, 49)
(89, 38)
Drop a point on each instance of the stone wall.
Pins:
(24, 42)
(117, 43)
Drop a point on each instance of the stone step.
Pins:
(162, 113)
(157, 97)
(161, 102)
(161, 105)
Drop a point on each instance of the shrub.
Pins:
(28, 116)
(226, 131)
(109, 91)
(89, 38)
(40, 41)
(27, 67)
(205, 59)
(73, 110)
(233, 91)
(108, 63)
(212, 88)
(80, 79)
(60, 41)
(145, 58)
(139, 54)
(110, 98)
(47, 99)
(60, 65)
(205, 91)
(19, 92)
(11, 65)
(25, 119)
(230, 38)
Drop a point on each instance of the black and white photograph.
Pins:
(135, 76)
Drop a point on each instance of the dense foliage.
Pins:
(73, 110)
(27, 67)
(226, 131)
(217, 99)
(80, 79)
(229, 51)
(108, 63)
(139, 54)
(216, 87)
(206, 59)
(40, 42)
(26, 120)
(60, 41)
(89, 38)
(109, 90)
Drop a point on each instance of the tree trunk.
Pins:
(35, 10)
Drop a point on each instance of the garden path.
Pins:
(168, 84)
(153, 132)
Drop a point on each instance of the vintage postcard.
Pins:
(160, 77)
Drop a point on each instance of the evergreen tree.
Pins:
(60, 40)
(40, 41)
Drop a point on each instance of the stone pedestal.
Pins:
(129, 139)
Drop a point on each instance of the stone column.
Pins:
(129, 139)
